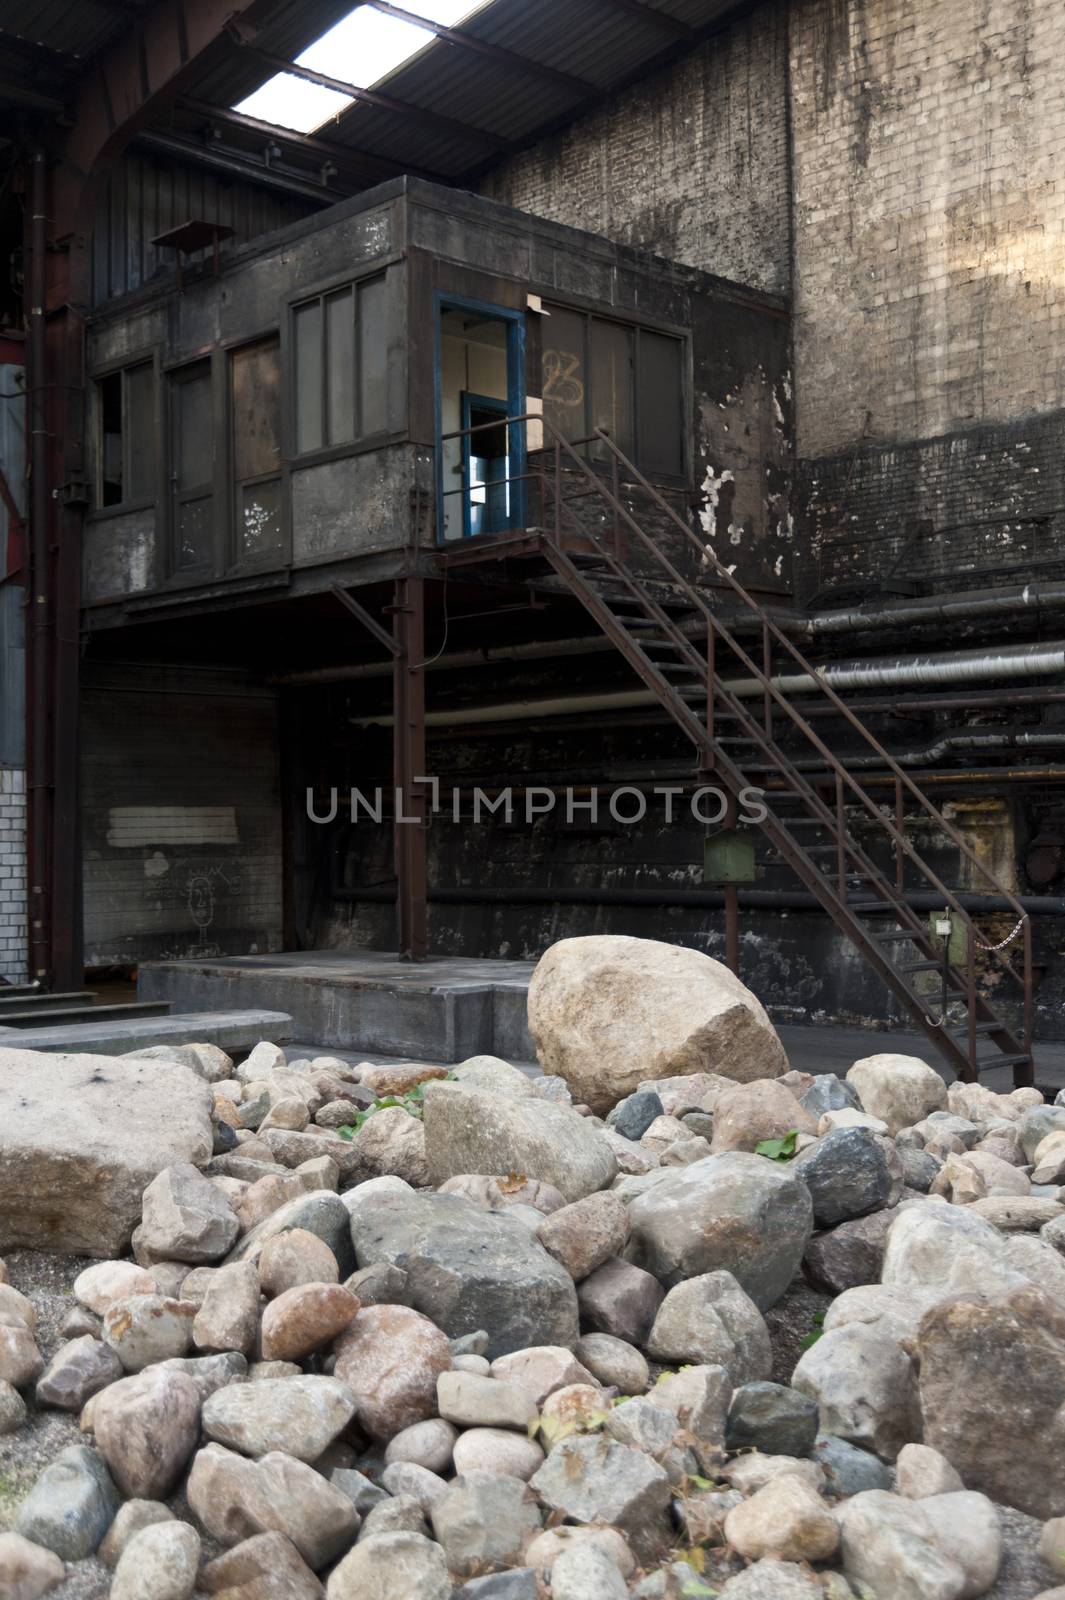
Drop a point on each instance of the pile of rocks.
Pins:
(491, 1344)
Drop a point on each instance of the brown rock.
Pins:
(390, 1358)
(785, 1521)
(586, 1234)
(228, 1318)
(850, 1255)
(296, 1257)
(27, 1571)
(305, 1318)
(235, 1498)
(401, 1079)
(751, 1112)
(992, 1390)
(540, 1370)
(266, 1567)
(146, 1428)
(20, 1359)
(621, 1299)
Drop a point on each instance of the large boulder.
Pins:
(900, 1090)
(82, 1137)
(469, 1269)
(608, 1012)
(735, 1211)
(468, 1131)
(992, 1390)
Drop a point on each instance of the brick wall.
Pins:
(692, 163)
(929, 216)
(13, 952)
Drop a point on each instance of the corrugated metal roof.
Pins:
(77, 28)
(592, 40)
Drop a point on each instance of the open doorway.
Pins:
(481, 456)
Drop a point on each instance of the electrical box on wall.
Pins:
(728, 857)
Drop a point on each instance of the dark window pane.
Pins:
(109, 400)
(259, 515)
(192, 430)
(308, 338)
(140, 430)
(194, 532)
(564, 378)
(661, 404)
(373, 357)
(340, 364)
(612, 386)
(256, 393)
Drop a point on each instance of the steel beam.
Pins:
(374, 168)
(408, 747)
(495, 52)
(658, 19)
(384, 102)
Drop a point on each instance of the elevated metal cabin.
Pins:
(329, 407)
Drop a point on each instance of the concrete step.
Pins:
(235, 1031)
(29, 999)
(71, 1016)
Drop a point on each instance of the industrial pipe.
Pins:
(1032, 597)
(38, 897)
(959, 666)
(1042, 905)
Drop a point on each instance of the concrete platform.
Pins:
(231, 1030)
(442, 1010)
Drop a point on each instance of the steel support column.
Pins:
(408, 745)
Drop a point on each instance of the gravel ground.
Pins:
(48, 1281)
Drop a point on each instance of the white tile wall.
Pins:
(13, 965)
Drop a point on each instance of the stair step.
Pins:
(889, 935)
(921, 966)
(1005, 1061)
(960, 1030)
(41, 998)
(116, 1013)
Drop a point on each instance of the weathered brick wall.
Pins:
(13, 875)
(929, 216)
(691, 163)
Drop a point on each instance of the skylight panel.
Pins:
(362, 48)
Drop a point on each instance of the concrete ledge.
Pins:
(444, 1009)
(231, 1030)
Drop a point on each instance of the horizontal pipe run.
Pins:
(1040, 905)
(957, 666)
(1032, 598)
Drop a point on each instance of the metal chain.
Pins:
(1002, 942)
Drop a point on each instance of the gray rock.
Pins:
(429, 1444)
(12, 1409)
(621, 1300)
(185, 1218)
(380, 1285)
(709, 1320)
(483, 1521)
(146, 1428)
(468, 1132)
(920, 1169)
(209, 1373)
(613, 1362)
(850, 1255)
(320, 1212)
(77, 1370)
(159, 1563)
(406, 1480)
(265, 1567)
(390, 1566)
(773, 1419)
(848, 1470)
(469, 1269)
(228, 1318)
(632, 1116)
(234, 1498)
(1034, 1124)
(595, 1479)
(83, 1137)
(299, 1416)
(517, 1584)
(471, 1401)
(895, 1547)
(147, 1328)
(26, 1570)
(399, 1513)
(735, 1211)
(71, 1505)
(847, 1174)
(829, 1093)
(773, 1580)
(585, 1572)
(864, 1381)
(363, 1493)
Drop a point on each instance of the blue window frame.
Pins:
(490, 503)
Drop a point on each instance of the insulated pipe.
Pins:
(38, 896)
(961, 666)
(958, 608)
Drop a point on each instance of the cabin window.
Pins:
(622, 378)
(341, 366)
(126, 450)
(255, 410)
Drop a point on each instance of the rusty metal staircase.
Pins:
(677, 644)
